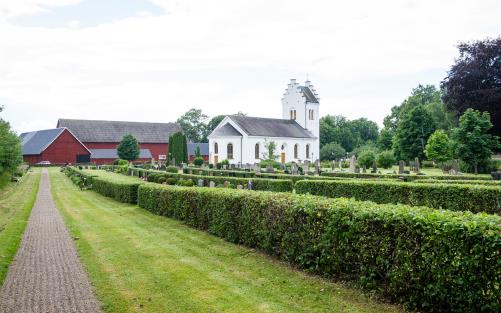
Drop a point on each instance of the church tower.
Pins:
(301, 103)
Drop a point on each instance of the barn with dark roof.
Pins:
(57, 146)
(96, 141)
(103, 137)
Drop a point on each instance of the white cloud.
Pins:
(16, 8)
(226, 56)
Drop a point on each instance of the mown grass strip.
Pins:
(16, 202)
(138, 261)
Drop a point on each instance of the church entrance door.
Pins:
(282, 158)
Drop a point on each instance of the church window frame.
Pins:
(256, 151)
(216, 148)
(229, 151)
(308, 151)
(296, 151)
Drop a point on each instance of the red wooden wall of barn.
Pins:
(156, 149)
(63, 150)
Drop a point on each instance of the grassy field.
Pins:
(140, 262)
(16, 201)
(114, 176)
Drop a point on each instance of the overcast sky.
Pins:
(152, 60)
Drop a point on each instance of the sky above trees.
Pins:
(154, 60)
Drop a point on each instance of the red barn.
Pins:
(57, 146)
(103, 137)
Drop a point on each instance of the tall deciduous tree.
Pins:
(474, 144)
(412, 132)
(438, 147)
(10, 148)
(178, 149)
(128, 149)
(474, 81)
(349, 134)
(193, 125)
(332, 151)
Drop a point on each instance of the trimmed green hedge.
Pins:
(430, 260)
(277, 185)
(462, 182)
(455, 197)
(120, 191)
(405, 176)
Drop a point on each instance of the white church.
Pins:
(242, 139)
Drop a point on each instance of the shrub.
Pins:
(366, 158)
(185, 182)
(223, 162)
(161, 180)
(427, 259)
(172, 169)
(273, 163)
(171, 181)
(199, 161)
(121, 162)
(454, 197)
(386, 159)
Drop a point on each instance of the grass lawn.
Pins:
(140, 262)
(116, 177)
(16, 201)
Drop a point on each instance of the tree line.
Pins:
(461, 120)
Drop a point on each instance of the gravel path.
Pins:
(46, 275)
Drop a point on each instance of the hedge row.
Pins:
(455, 197)
(462, 182)
(430, 260)
(405, 176)
(120, 191)
(277, 185)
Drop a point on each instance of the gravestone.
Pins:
(294, 168)
(454, 167)
(357, 169)
(257, 168)
(226, 184)
(211, 173)
(401, 167)
(374, 167)
(364, 170)
(282, 167)
(200, 183)
(250, 185)
(317, 167)
(269, 168)
(352, 164)
(240, 187)
(416, 165)
(333, 165)
(224, 166)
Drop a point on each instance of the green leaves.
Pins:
(128, 149)
(431, 260)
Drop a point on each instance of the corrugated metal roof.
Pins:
(310, 97)
(113, 154)
(113, 131)
(36, 142)
(204, 148)
(271, 127)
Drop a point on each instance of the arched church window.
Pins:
(229, 151)
(215, 148)
(307, 151)
(256, 151)
(296, 148)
